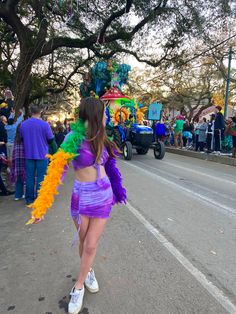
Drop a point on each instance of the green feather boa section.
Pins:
(75, 139)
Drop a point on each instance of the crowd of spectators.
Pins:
(214, 135)
(24, 144)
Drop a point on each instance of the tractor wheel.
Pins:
(117, 138)
(159, 150)
(127, 151)
(142, 151)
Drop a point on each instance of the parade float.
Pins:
(125, 116)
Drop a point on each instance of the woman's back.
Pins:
(85, 165)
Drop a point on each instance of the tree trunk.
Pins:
(197, 115)
(22, 82)
(190, 114)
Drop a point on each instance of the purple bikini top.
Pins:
(86, 157)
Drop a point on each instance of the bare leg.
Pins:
(181, 140)
(176, 140)
(95, 230)
(82, 231)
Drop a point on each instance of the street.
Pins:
(170, 250)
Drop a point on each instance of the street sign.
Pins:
(154, 111)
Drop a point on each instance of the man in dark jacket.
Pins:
(219, 127)
(210, 137)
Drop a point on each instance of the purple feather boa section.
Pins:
(66, 168)
(114, 175)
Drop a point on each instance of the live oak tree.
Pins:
(194, 78)
(188, 88)
(39, 32)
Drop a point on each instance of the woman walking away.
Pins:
(97, 186)
(18, 166)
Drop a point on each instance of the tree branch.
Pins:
(149, 62)
(202, 109)
(111, 18)
(3, 10)
(64, 86)
(8, 14)
(12, 3)
(88, 42)
(158, 10)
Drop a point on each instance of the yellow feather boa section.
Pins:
(49, 186)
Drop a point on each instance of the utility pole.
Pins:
(227, 84)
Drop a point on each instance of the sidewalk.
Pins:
(209, 157)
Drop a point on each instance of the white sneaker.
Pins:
(20, 198)
(91, 282)
(76, 301)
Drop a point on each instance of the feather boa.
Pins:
(58, 163)
(115, 178)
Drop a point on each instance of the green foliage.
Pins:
(55, 38)
(5, 77)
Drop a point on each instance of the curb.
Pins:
(209, 157)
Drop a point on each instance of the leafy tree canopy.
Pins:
(45, 43)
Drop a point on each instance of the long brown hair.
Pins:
(91, 111)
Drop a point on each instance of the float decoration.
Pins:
(105, 80)
(140, 113)
(113, 94)
(120, 115)
(115, 100)
(104, 75)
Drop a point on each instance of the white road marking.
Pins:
(197, 274)
(196, 195)
(200, 173)
(222, 195)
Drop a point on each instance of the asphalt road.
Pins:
(170, 250)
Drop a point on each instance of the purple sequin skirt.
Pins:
(92, 199)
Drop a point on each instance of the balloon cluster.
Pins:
(104, 75)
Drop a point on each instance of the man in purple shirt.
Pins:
(36, 135)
